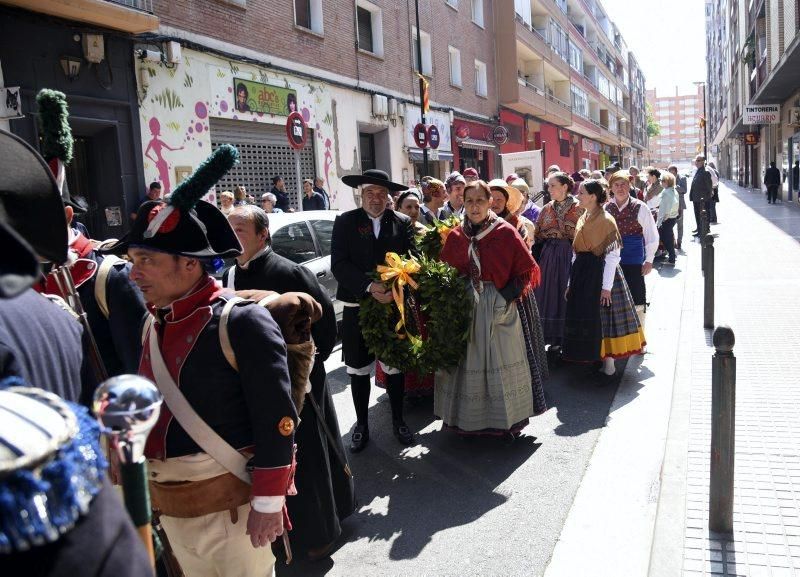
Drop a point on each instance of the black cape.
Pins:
(325, 495)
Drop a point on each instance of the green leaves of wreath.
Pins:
(445, 304)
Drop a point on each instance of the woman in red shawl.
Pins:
(498, 384)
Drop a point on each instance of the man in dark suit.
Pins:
(772, 180)
(700, 192)
(324, 491)
(361, 239)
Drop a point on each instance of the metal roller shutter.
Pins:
(264, 153)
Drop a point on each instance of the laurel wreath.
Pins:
(430, 244)
(442, 302)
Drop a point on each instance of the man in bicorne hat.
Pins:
(361, 239)
(40, 343)
(220, 512)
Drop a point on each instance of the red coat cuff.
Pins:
(275, 481)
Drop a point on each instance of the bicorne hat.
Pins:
(32, 220)
(185, 225)
(373, 176)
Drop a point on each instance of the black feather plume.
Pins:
(54, 121)
(187, 193)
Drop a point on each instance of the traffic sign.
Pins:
(296, 130)
(420, 135)
(433, 136)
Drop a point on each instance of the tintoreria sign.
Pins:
(762, 114)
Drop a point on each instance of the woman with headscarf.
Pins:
(652, 188)
(497, 386)
(408, 202)
(601, 322)
(639, 238)
(555, 229)
(506, 203)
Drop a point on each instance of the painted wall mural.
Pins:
(177, 103)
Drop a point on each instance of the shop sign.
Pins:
(433, 136)
(420, 135)
(296, 130)
(462, 133)
(435, 118)
(249, 96)
(762, 114)
(499, 135)
(751, 137)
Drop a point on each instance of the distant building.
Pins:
(681, 137)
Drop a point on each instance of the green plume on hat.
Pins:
(53, 119)
(187, 193)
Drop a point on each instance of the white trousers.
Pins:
(212, 546)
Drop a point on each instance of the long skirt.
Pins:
(325, 494)
(583, 330)
(555, 262)
(490, 391)
(534, 347)
(622, 334)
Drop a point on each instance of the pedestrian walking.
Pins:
(668, 214)
(324, 490)
(772, 180)
(711, 205)
(361, 239)
(555, 231)
(497, 386)
(601, 321)
(699, 192)
(680, 187)
(312, 200)
(637, 228)
(319, 187)
(222, 452)
(652, 189)
(83, 529)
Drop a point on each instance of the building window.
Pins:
(480, 78)
(575, 57)
(425, 40)
(308, 14)
(366, 144)
(477, 12)
(370, 27)
(455, 66)
(580, 103)
(452, 3)
(558, 40)
(523, 11)
(563, 147)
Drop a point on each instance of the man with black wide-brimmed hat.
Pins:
(361, 239)
(222, 452)
(47, 532)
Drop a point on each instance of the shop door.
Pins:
(471, 158)
(264, 153)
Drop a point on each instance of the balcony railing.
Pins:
(141, 5)
(525, 82)
(558, 101)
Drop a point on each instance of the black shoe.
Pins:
(359, 439)
(696, 235)
(403, 433)
(695, 231)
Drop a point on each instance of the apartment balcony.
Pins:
(557, 111)
(607, 136)
(132, 16)
(533, 39)
(530, 99)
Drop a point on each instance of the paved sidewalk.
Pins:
(757, 288)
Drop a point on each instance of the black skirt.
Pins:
(583, 330)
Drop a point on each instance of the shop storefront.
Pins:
(106, 171)
(440, 160)
(516, 132)
(473, 148)
(205, 101)
(589, 154)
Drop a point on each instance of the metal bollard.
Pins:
(708, 288)
(702, 228)
(723, 441)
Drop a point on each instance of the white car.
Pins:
(305, 238)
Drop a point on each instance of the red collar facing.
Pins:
(205, 292)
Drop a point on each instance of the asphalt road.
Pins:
(452, 507)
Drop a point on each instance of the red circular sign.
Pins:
(433, 137)
(462, 132)
(296, 130)
(420, 135)
(500, 135)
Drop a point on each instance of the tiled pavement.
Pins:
(758, 295)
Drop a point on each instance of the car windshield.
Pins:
(294, 241)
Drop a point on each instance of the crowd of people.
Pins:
(260, 450)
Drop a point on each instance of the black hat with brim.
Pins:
(19, 267)
(30, 203)
(373, 176)
(186, 225)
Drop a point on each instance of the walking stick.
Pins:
(127, 407)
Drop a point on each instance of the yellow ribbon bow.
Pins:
(397, 272)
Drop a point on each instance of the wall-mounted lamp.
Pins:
(71, 65)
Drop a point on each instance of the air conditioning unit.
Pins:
(380, 106)
(794, 116)
(392, 109)
(173, 52)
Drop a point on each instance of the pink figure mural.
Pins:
(157, 145)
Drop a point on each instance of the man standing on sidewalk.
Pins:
(772, 180)
(700, 192)
(680, 187)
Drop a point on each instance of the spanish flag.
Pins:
(424, 89)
